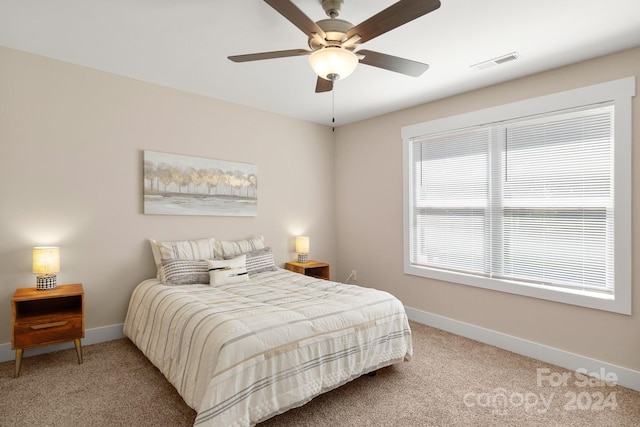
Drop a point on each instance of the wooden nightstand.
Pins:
(316, 269)
(46, 317)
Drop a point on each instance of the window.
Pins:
(531, 198)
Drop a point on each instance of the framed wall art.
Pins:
(185, 185)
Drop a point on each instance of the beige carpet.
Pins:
(451, 381)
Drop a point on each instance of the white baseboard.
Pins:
(91, 336)
(625, 377)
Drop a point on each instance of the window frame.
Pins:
(620, 93)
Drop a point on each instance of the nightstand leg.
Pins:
(18, 362)
(78, 350)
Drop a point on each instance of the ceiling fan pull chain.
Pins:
(333, 108)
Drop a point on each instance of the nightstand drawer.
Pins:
(43, 330)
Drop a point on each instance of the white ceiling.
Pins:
(184, 44)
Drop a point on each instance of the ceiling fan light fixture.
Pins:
(333, 62)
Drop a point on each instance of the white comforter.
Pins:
(241, 353)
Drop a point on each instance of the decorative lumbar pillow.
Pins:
(239, 247)
(222, 272)
(184, 272)
(193, 250)
(260, 260)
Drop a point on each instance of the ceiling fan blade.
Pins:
(296, 17)
(269, 55)
(392, 17)
(393, 63)
(323, 85)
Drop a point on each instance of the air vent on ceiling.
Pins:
(496, 61)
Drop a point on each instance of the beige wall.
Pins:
(370, 237)
(71, 142)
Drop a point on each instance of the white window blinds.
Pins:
(451, 198)
(529, 201)
(557, 196)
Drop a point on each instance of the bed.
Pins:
(241, 351)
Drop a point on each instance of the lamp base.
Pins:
(303, 257)
(45, 282)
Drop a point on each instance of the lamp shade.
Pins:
(46, 260)
(302, 245)
(302, 248)
(333, 62)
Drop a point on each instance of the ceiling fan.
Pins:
(333, 41)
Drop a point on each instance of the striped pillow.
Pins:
(186, 250)
(259, 261)
(222, 272)
(184, 272)
(233, 248)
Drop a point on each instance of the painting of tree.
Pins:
(175, 184)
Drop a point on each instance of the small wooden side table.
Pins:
(319, 270)
(45, 317)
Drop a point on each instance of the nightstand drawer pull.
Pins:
(49, 325)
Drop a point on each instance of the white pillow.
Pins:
(238, 247)
(222, 272)
(193, 250)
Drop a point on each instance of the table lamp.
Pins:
(302, 248)
(46, 262)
